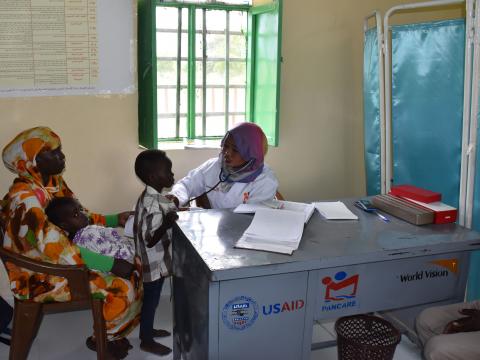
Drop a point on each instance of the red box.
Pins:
(443, 213)
(415, 193)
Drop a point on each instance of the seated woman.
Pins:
(36, 157)
(238, 175)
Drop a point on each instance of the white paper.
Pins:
(335, 210)
(276, 230)
(306, 209)
(277, 224)
(246, 243)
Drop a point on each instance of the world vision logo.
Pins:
(445, 268)
(341, 292)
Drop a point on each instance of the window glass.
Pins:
(215, 126)
(235, 120)
(168, 128)
(183, 126)
(212, 123)
(168, 16)
(216, 20)
(166, 72)
(167, 44)
(238, 46)
(238, 73)
(236, 100)
(183, 100)
(215, 72)
(166, 101)
(199, 73)
(199, 126)
(215, 100)
(184, 73)
(238, 21)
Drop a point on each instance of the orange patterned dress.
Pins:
(28, 232)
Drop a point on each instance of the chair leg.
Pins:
(99, 328)
(26, 321)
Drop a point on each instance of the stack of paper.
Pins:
(306, 209)
(335, 210)
(273, 230)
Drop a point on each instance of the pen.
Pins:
(383, 217)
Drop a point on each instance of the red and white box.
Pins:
(443, 213)
(415, 193)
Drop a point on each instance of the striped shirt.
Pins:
(149, 215)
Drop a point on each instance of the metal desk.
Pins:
(245, 304)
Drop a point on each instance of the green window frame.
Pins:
(262, 93)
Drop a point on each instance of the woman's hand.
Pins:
(465, 324)
(123, 217)
(174, 199)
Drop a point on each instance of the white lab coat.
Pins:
(205, 176)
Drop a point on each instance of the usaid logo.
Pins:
(240, 313)
(293, 305)
(340, 292)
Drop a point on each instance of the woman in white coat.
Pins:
(238, 175)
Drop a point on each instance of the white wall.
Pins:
(321, 132)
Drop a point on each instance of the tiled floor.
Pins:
(62, 336)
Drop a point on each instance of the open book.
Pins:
(306, 209)
(273, 230)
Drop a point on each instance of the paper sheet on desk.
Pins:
(335, 210)
(306, 209)
(273, 230)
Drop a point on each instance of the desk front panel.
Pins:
(389, 285)
(262, 317)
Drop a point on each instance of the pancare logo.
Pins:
(341, 293)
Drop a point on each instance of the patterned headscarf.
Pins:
(19, 156)
(252, 145)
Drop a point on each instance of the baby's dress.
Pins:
(106, 241)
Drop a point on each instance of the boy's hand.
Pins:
(123, 217)
(122, 268)
(170, 219)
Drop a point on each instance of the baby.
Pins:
(68, 214)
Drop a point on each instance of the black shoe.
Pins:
(153, 347)
(160, 333)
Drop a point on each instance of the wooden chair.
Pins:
(28, 315)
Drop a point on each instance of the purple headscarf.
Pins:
(252, 145)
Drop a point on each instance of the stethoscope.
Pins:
(222, 177)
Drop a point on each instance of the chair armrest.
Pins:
(77, 275)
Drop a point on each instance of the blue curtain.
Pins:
(473, 291)
(427, 105)
(427, 110)
(371, 113)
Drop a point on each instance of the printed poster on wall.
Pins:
(65, 47)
